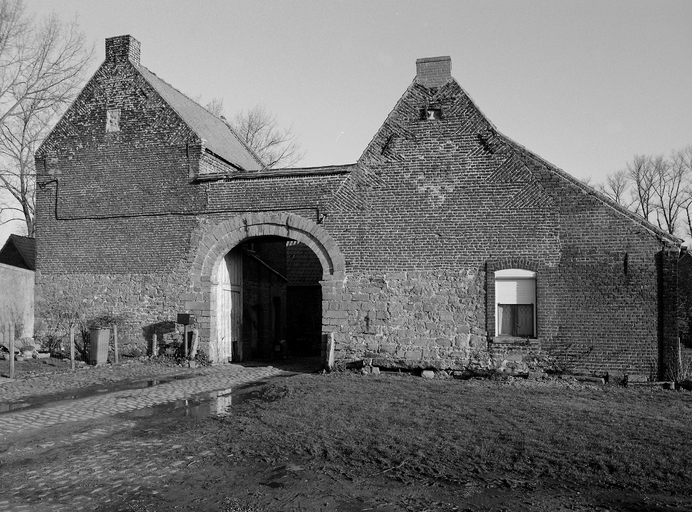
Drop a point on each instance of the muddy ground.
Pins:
(349, 442)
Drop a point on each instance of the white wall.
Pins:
(16, 301)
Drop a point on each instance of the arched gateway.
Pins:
(210, 278)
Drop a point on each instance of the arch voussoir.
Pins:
(227, 234)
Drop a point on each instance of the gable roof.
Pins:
(220, 139)
(19, 251)
(438, 76)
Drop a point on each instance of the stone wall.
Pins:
(145, 302)
(410, 319)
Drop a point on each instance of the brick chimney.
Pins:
(433, 71)
(122, 48)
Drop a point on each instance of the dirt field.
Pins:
(396, 442)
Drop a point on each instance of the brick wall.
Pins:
(412, 233)
(451, 197)
(114, 207)
(433, 71)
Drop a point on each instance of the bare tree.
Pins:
(642, 176)
(215, 106)
(656, 187)
(588, 181)
(42, 64)
(616, 187)
(277, 147)
(671, 178)
(681, 162)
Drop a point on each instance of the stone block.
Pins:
(413, 355)
(590, 379)
(428, 374)
(615, 377)
(443, 342)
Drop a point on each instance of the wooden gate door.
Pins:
(230, 307)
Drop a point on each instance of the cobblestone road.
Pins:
(44, 466)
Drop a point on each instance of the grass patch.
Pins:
(412, 429)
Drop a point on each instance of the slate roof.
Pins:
(220, 138)
(19, 251)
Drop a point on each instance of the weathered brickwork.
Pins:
(409, 237)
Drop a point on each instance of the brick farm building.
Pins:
(446, 244)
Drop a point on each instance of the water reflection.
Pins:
(214, 403)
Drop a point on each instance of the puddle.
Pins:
(75, 394)
(214, 403)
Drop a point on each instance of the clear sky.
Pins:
(584, 84)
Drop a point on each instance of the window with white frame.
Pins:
(515, 303)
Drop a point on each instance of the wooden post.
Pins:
(195, 343)
(185, 340)
(154, 345)
(11, 355)
(330, 351)
(115, 343)
(72, 347)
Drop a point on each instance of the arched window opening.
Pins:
(515, 303)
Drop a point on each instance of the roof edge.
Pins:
(251, 152)
(634, 217)
(279, 173)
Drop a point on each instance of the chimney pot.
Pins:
(433, 71)
(122, 48)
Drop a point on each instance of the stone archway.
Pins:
(211, 250)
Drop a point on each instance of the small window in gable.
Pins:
(113, 120)
(430, 114)
(515, 303)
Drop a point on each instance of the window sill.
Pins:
(506, 338)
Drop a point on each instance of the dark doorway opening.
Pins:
(282, 299)
(304, 300)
